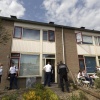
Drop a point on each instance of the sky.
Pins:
(74, 13)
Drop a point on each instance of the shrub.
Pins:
(10, 97)
(97, 81)
(74, 86)
(40, 93)
(81, 96)
(31, 96)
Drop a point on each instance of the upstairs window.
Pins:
(48, 35)
(87, 39)
(31, 34)
(51, 35)
(17, 32)
(97, 40)
(45, 35)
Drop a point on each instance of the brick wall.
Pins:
(59, 49)
(71, 58)
(5, 51)
(71, 51)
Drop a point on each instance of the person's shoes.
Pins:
(62, 90)
(49, 85)
(9, 89)
(68, 91)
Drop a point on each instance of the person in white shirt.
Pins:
(13, 76)
(79, 75)
(1, 69)
(47, 69)
(98, 68)
(87, 77)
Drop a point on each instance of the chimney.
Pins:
(13, 17)
(82, 27)
(52, 23)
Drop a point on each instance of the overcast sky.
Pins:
(75, 13)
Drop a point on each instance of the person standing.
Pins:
(47, 69)
(1, 69)
(62, 71)
(13, 71)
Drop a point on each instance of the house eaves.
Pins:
(48, 24)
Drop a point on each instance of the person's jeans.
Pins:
(13, 79)
(47, 78)
(89, 79)
(64, 77)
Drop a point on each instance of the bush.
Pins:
(97, 81)
(10, 97)
(81, 96)
(40, 93)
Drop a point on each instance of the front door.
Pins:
(52, 62)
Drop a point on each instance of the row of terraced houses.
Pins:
(33, 44)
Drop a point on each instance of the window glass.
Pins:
(98, 57)
(48, 56)
(87, 40)
(51, 35)
(17, 32)
(45, 35)
(99, 40)
(15, 54)
(31, 34)
(96, 40)
(16, 61)
(29, 65)
(99, 62)
(90, 64)
(81, 64)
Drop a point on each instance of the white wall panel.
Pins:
(25, 46)
(98, 50)
(86, 49)
(49, 47)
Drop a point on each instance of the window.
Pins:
(90, 64)
(48, 35)
(97, 40)
(51, 36)
(31, 34)
(15, 57)
(79, 37)
(29, 65)
(17, 32)
(48, 56)
(45, 35)
(87, 40)
(81, 62)
(99, 60)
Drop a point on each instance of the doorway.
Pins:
(52, 63)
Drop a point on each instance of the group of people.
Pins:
(13, 73)
(82, 74)
(62, 71)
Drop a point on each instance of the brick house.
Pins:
(33, 44)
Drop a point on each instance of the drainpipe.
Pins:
(63, 46)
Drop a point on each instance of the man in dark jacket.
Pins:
(62, 71)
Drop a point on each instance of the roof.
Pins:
(14, 19)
